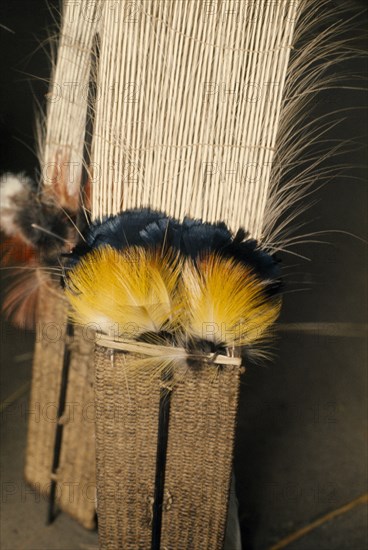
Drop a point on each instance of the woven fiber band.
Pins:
(75, 475)
(198, 454)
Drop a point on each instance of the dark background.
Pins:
(301, 440)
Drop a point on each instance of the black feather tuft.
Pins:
(149, 228)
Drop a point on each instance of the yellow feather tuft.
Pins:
(130, 291)
(225, 302)
(126, 293)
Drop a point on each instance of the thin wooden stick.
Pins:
(363, 499)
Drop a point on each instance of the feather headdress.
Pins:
(240, 181)
(193, 138)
